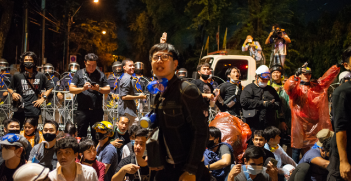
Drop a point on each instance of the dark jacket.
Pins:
(252, 98)
(182, 124)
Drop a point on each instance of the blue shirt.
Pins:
(108, 155)
(317, 173)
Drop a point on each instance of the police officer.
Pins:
(5, 78)
(182, 73)
(113, 79)
(138, 82)
(67, 79)
(49, 72)
(89, 84)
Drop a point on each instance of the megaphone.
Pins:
(148, 120)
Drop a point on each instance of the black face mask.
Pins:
(210, 143)
(205, 77)
(49, 137)
(138, 71)
(14, 131)
(28, 65)
(100, 136)
(89, 161)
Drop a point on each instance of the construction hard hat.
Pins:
(344, 75)
(31, 172)
(104, 125)
(277, 68)
(263, 72)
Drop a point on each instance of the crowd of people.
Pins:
(293, 137)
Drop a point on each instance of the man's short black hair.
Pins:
(161, 47)
(215, 132)
(229, 70)
(91, 57)
(133, 129)
(346, 55)
(276, 25)
(203, 64)
(120, 118)
(67, 142)
(70, 128)
(53, 123)
(258, 133)
(85, 145)
(142, 133)
(8, 121)
(253, 152)
(124, 62)
(270, 132)
(326, 144)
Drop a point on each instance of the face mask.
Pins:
(254, 169)
(73, 71)
(262, 85)
(89, 161)
(120, 132)
(8, 153)
(205, 77)
(49, 137)
(28, 65)
(17, 131)
(100, 136)
(210, 144)
(138, 71)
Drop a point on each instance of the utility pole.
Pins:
(43, 9)
(25, 25)
(70, 20)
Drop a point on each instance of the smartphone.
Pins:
(274, 162)
(93, 83)
(121, 141)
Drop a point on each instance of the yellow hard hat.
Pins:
(104, 125)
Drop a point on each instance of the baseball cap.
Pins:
(322, 135)
(12, 139)
(31, 172)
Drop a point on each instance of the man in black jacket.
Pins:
(259, 101)
(183, 131)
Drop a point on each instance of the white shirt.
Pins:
(125, 151)
(84, 173)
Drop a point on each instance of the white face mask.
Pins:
(262, 84)
(7, 153)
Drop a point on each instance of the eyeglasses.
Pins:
(11, 138)
(164, 57)
(265, 75)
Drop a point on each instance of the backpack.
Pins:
(212, 157)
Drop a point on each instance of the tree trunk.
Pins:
(5, 24)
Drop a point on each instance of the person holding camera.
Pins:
(279, 39)
(89, 84)
(254, 47)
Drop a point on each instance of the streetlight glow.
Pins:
(104, 32)
(96, 1)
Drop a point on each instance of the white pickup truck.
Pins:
(220, 63)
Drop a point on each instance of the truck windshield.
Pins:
(223, 64)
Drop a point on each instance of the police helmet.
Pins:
(182, 73)
(139, 65)
(48, 68)
(117, 67)
(74, 67)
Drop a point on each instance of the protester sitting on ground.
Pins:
(87, 153)
(121, 136)
(272, 135)
(70, 130)
(31, 172)
(253, 168)
(218, 156)
(128, 148)
(322, 135)
(318, 160)
(67, 151)
(106, 152)
(31, 132)
(135, 164)
(44, 152)
(13, 152)
(259, 141)
(13, 126)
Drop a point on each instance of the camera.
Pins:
(277, 33)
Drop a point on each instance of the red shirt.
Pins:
(99, 168)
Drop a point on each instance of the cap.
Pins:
(322, 135)
(308, 70)
(276, 68)
(344, 74)
(12, 139)
(31, 172)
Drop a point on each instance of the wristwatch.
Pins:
(44, 96)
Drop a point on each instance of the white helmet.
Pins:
(344, 74)
(263, 71)
(31, 172)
